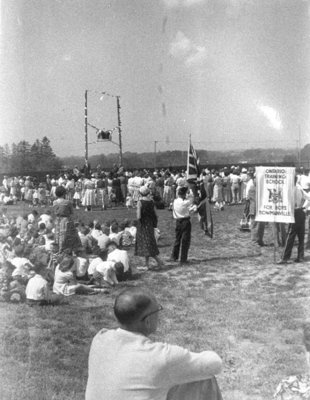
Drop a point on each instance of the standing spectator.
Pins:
(218, 192)
(146, 245)
(297, 228)
(243, 182)
(182, 207)
(66, 235)
(168, 190)
(226, 187)
(89, 199)
(123, 182)
(257, 227)
(235, 182)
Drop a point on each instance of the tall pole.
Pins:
(155, 154)
(85, 130)
(299, 145)
(119, 130)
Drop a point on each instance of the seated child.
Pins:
(120, 256)
(132, 229)
(22, 265)
(105, 273)
(38, 291)
(6, 291)
(101, 271)
(115, 235)
(126, 239)
(85, 238)
(65, 280)
(81, 264)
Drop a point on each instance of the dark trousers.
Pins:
(298, 228)
(182, 238)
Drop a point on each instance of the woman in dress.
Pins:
(218, 192)
(66, 235)
(89, 199)
(146, 245)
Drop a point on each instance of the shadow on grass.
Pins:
(229, 257)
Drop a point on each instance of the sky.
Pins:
(230, 74)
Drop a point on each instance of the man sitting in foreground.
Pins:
(125, 364)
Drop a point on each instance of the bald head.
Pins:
(132, 304)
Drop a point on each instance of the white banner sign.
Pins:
(275, 194)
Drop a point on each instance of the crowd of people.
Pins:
(46, 257)
(63, 251)
(225, 186)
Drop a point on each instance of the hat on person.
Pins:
(244, 170)
(144, 190)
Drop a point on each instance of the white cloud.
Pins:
(182, 3)
(272, 116)
(192, 54)
(181, 45)
(198, 56)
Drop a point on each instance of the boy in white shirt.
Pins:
(38, 291)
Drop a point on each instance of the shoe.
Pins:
(282, 262)
(299, 260)
(184, 262)
(155, 268)
(144, 268)
(106, 291)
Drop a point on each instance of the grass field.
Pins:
(231, 298)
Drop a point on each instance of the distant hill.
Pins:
(177, 158)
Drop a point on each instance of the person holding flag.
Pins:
(184, 206)
(181, 209)
(201, 197)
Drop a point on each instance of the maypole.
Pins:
(85, 130)
(119, 130)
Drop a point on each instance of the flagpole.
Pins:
(188, 150)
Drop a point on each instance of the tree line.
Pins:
(25, 158)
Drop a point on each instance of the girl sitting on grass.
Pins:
(65, 280)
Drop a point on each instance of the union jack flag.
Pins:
(193, 164)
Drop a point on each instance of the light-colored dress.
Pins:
(64, 282)
(218, 189)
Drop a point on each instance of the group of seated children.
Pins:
(33, 270)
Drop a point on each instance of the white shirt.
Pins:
(37, 288)
(106, 269)
(22, 266)
(181, 208)
(118, 255)
(81, 266)
(129, 366)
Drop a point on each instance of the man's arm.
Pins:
(185, 366)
